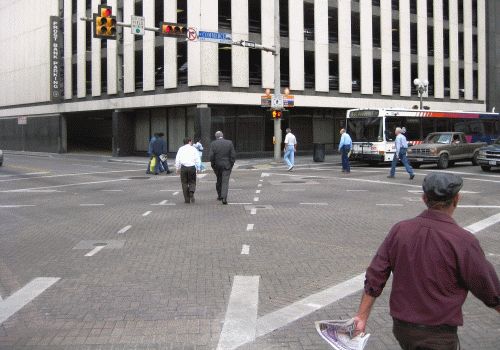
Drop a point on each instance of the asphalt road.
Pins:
(98, 255)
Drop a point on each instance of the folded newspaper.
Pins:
(340, 334)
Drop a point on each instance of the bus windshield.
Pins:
(365, 129)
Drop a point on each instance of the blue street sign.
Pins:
(223, 38)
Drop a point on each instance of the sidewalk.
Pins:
(247, 163)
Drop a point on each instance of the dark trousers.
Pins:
(188, 180)
(345, 158)
(413, 337)
(222, 185)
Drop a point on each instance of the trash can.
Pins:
(319, 152)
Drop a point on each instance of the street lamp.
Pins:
(422, 86)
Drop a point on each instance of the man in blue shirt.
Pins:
(401, 148)
(345, 147)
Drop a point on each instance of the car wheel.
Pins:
(443, 161)
(474, 159)
(416, 165)
(485, 167)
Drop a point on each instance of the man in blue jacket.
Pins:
(345, 147)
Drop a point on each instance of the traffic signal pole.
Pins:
(277, 78)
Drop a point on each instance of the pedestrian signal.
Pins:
(276, 114)
(104, 23)
(175, 30)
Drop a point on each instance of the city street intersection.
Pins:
(98, 255)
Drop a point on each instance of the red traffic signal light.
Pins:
(104, 23)
(175, 30)
(276, 114)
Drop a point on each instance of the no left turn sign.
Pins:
(192, 35)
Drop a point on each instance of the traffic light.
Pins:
(104, 23)
(175, 30)
(276, 114)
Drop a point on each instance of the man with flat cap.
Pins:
(434, 263)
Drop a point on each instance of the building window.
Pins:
(475, 83)
(225, 63)
(414, 38)
(308, 21)
(377, 76)
(460, 11)
(355, 30)
(182, 11)
(138, 12)
(334, 72)
(395, 5)
(474, 13)
(414, 75)
(309, 69)
(430, 74)
(74, 79)
(376, 32)
(413, 7)
(225, 14)
(430, 8)
(461, 83)
(254, 17)
(182, 63)
(396, 78)
(255, 67)
(446, 43)
(333, 29)
(74, 38)
(159, 68)
(285, 68)
(104, 77)
(88, 81)
(430, 41)
(447, 81)
(284, 18)
(474, 48)
(356, 74)
(138, 69)
(158, 13)
(461, 45)
(446, 10)
(395, 36)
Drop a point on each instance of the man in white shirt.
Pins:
(290, 149)
(188, 162)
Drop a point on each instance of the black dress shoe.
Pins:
(224, 201)
(412, 176)
(390, 177)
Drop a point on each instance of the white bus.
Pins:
(372, 130)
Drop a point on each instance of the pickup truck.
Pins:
(489, 156)
(444, 149)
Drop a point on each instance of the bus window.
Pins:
(427, 126)
(365, 129)
(412, 126)
(442, 125)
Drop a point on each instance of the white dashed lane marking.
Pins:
(147, 213)
(250, 227)
(126, 228)
(245, 249)
(95, 250)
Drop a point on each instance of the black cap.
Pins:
(442, 186)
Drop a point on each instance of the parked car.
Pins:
(489, 156)
(1, 157)
(444, 149)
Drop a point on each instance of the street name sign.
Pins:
(137, 25)
(221, 38)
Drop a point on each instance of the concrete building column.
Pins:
(63, 134)
(296, 37)
(267, 32)
(345, 46)
(123, 133)
(438, 80)
(481, 49)
(240, 56)
(170, 47)
(68, 49)
(423, 55)
(203, 127)
(321, 46)
(405, 47)
(81, 50)
(454, 47)
(386, 45)
(128, 50)
(112, 56)
(366, 47)
(148, 47)
(96, 56)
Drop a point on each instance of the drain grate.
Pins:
(139, 178)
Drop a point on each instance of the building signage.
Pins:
(137, 25)
(56, 65)
(222, 38)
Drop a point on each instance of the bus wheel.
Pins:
(485, 167)
(372, 163)
(415, 165)
(443, 161)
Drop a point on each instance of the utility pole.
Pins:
(277, 78)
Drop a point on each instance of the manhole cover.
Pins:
(100, 244)
(293, 182)
(138, 178)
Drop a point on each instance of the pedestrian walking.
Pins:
(222, 157)
(159, 147)
(187, 163)
(345, 147)
(401, 149)
(150, 152)
(434, 264)
(290, 149)
(199, 147)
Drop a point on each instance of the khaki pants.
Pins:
(413, 337)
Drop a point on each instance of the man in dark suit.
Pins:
(222, 158)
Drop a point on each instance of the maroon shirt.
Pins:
(434, 263)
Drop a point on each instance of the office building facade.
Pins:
(335, 55)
